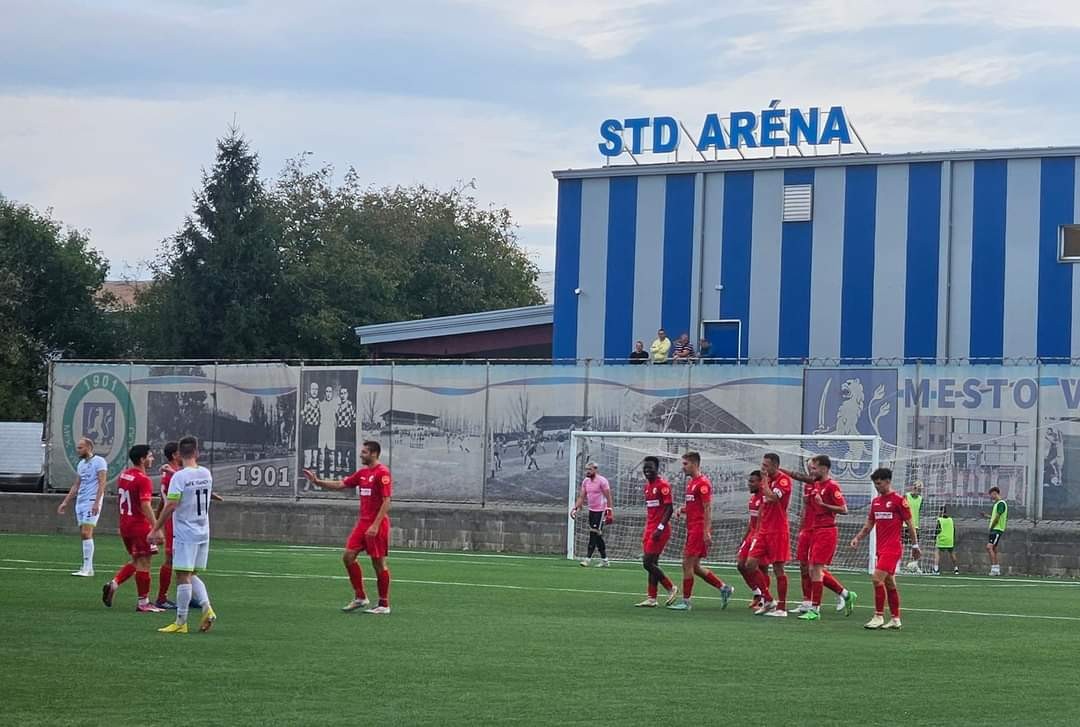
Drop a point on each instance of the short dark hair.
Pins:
(170, 450)
(756, 473)
(693, 457)
(881, 473)
(188, 446)
(996, 489)
(773, 457)
(654, 460)
(822, 459)
(944, 511)
(138, 453)
(373, 446)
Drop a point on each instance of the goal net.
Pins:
(727, 460)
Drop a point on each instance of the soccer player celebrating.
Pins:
(189, 501)
(771, 543)
(698, 511)
(658, 510)
(134, 493)
(827, 502)
(596, 490)
(889, 512)
(88, 491)
(372, 531)
(754, 508)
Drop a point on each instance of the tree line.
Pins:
(279, 268)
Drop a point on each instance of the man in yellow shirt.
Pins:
(660, 347)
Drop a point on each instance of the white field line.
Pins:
(541, 589)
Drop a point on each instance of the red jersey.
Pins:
(166, 475)
(754, 508)
(807, 522)
(773, 518)
(830, 494)
(657, 497)
(133, 488)
(888, 513)
(375, 486)
(698, 497)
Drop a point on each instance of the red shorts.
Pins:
(168, 537)
(823, 545)
(802, 546)
(136, 544)
(888, 562)
(696, 547)
(769, 548)
(744, 549)
(377, 546)
(655, 547)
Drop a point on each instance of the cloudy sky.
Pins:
(110, 108)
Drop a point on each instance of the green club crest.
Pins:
(99, 408)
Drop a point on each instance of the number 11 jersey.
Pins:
(190, 488)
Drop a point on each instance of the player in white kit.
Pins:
(188, 504)
(88, 491)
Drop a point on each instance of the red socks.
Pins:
(142, 583)
(750, 582)
(781, 591)
(164, 579)
(356, 578)
(666, 583)
(763, 584)
(127, 570)
(687, 587)
(832, 584)
(712, 580)
(383, 579)
(652, 590)
(806, 585)
(815, 594)
(894, 602)
(879, 598)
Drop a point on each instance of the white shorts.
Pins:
(83, 516)
(189, 556)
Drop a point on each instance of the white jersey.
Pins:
(190, 489)
(88, 480)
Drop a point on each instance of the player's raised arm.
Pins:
(325, 484)
(798, 476)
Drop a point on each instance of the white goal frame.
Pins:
(573, 484)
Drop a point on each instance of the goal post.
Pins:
(727, 459)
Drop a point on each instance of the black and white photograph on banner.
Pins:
(244, 417)
(328, 425)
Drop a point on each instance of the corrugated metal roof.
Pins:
(835, 160)
(21, 450)
(494, 320)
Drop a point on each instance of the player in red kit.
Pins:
(135, 490)
(771, 543)
(372, 531)
(658, 510)
(889, 512)
(754, 509)
(825, 501)
(698, 512)
(845, 599)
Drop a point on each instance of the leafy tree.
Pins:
(51, 305)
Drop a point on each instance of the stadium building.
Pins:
(852, 257)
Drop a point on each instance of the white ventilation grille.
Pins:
(798, 202)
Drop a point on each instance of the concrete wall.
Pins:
(1045, 550)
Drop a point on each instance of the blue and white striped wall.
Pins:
(915, 257)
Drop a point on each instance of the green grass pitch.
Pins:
(496, 640)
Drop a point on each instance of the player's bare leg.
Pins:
(691, 566)
(356, 578)
(382, 574)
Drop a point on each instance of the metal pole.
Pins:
(46, 433)
(1036, 481)
(875, 454)
(571, 493)
(488, 457)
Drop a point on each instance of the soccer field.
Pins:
(487, 639)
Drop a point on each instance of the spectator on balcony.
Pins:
(660, 347)
(684, 350)
(704, 349)
(639, 355)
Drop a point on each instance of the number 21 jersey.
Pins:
(190, 488)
